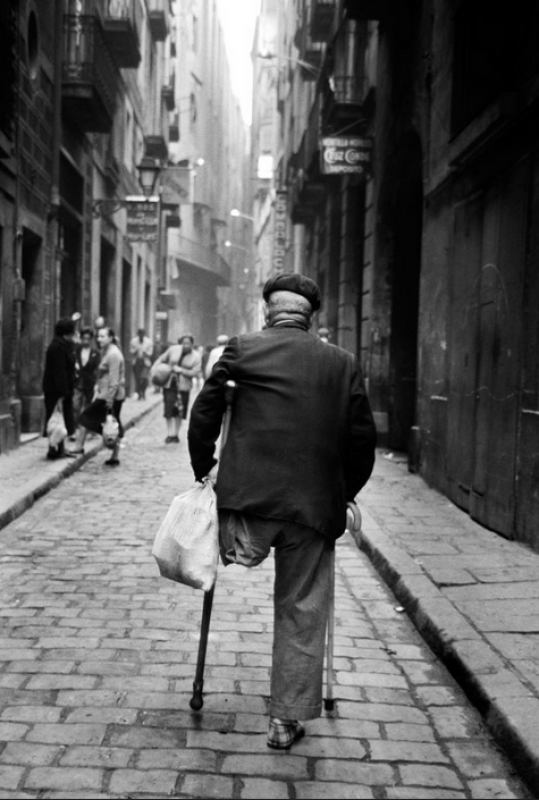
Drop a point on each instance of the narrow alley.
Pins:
(97, 658)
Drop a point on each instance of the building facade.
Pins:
(91, 91)
(427, 256)
(208, 253)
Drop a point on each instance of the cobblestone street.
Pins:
(97, 659)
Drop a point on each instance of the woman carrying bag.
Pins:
(109, 394)
(59, 383)
(185, 363)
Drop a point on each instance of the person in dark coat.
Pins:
(300, 447)
(59, 379)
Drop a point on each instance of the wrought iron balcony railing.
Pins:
(88, 75)
(159, 18)
(122, 25)
(348, 83)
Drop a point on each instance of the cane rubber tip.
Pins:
(196, 703)
(329, 705)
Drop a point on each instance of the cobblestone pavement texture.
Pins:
(97, 658)
(26, 475)
(472, 594)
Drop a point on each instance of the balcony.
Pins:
(344, 100)
(322, 16)
(168, 94)
(311, 53)
(158, 15)
(156, 147)
(88, 75)
(173, 220)
(122, 25)
(174, 129)
(192, 255)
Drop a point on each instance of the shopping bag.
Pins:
(111, 431)
(56, 429)
(160, 373)
(186, 546)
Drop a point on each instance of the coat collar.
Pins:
(290, 323)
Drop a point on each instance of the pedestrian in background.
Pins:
(323, 335)
(215, 354)
(185, 363)
(141, 350)
(300, 447)
(59, 380)
(109, 395)
(86, 364)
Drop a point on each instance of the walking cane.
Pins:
(197, 700)
(329, 702)
(353, 516)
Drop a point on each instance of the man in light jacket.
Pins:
(300, 447)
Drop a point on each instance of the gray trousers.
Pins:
(301, 599)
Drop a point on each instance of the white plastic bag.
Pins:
(111, 431)
(56, 429)
(186, 546)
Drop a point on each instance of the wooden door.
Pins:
(499, 327)
(462, 348)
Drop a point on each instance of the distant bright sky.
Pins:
(238, 20)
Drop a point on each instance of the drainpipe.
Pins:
(56, 146)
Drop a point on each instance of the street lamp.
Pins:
(228, 243)
(149, 170)
(236, 213)
(304, 64)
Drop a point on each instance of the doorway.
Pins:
(70, 246)
(31, 351)
(406, 273)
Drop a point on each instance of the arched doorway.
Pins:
(405, 278)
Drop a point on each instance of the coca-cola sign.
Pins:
(345, 154)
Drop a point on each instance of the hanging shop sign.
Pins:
(342, 155)
(279, 232)
(176, 185)
(142, 219)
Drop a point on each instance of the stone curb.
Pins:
(512, 717)
(26, 501)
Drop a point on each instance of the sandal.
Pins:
(282, 735)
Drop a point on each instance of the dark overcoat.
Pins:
(302, 437)
(59, 379)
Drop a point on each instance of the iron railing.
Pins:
(122, 22)
(87, 63)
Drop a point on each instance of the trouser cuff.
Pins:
(294, 712)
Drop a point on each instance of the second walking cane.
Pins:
(197, 700)
(353, 526)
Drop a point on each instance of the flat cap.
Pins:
(293, 282)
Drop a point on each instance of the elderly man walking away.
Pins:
(300, 446)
